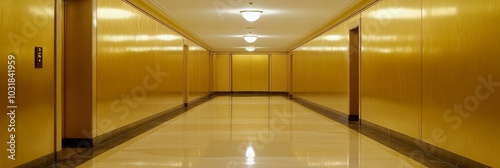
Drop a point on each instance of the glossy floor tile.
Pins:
(250, 132)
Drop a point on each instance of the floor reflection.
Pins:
(251, 132)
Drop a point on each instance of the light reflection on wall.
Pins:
(113, 14)
(443, 11)
(141, 49)
(141, 37)
(403, 13)
(389, 38)
(39, 11)
(323, 48)
(396, 13)
(196, 48)
(389, 50)
(333, 37)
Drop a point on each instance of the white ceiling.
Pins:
(283, 23)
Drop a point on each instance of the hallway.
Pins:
(251, 131)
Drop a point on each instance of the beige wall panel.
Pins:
(221, 70)
(279, 73)
(259, 77)
(26, 24)
(461, 78)
(391, 66)
(241, 72)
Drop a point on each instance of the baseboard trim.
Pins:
(366, 128)
(77, 143)
(92, 142)
(428, 149)
(353, 118)
(245, 93)
(114, 138)
(325, 111)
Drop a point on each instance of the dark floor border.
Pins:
(127, 128)
(92, 142)
(428, 149)
(77, 143)
(117, 137)
(415, 149)
(328, 112)
(214, 94)
(89, 142)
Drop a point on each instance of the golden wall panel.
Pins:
(279, 73)
(193, 72)
(170, 62)
(320, 70)
(391, 66)
(297, 68)
(289, 73)
(241, 72)
(197, 72)
(259, 77)
(250, 73)
(26, 24)
(205, 72)
(222, 72)
(461, 76)
(139, 67)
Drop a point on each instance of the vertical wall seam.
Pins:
(421, 67)
(269, 72)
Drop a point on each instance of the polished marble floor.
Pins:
(250, 132)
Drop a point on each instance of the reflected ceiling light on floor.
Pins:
(250, 38)
(250, 154)
(251, 15)
(250, 48)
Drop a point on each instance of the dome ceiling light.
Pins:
(250, 38)
(250, 48)
(251, 15)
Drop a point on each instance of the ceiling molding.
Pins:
(336, 18)
(158, 11)
(324, 22)
(173, 18)
(169, 21)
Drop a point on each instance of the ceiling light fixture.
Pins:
(250, 38)
(250, 48)
(251, 15)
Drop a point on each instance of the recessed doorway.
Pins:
(354, 73)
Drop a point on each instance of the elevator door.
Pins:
(250, 73)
